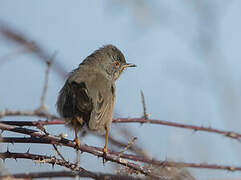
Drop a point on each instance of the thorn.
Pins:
(28, 150)
(194, 131)
(232, 135)
(1, 131)
(145, 114)
(8, 152)
(42, 128)
(231, 168)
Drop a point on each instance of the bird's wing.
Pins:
(102, 99)
(81, 99)
(74, 102)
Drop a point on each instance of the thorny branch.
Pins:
(42, 159)
(97, 176)
(12, 140)
(230, 134)
(42, 128)
(113, 156)
(76, 170)
(56, 120)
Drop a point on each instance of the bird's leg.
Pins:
(106, 143)
(77, 141)
(106, 140)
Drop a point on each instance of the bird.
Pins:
(88, 96)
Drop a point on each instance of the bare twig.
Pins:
(45, 88)
(56, 149)
(28, 113)
(128, 146)
(145, 114)
(137, 148)
(134, 148)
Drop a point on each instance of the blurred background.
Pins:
(188, 58)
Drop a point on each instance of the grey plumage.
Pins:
(88, 95)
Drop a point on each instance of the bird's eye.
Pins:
(117, 63)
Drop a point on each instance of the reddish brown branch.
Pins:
(84, 148)
(24, 140)
(46, 141)
(62, 174)
(45, 159)
(115, 156)
(133, 148)
(230, 134)
(28, 113)
(33, 123)
(78, 171)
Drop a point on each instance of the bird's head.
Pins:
(114, 61)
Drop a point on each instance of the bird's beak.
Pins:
(129, 65)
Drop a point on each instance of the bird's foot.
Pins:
(104, 155)
(77, 142)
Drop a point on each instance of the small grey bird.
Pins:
(88, 95)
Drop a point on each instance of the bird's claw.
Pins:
(77, 142)
(104, 156)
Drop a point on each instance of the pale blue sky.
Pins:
(185, 77)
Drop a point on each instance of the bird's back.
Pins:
(89, 96)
